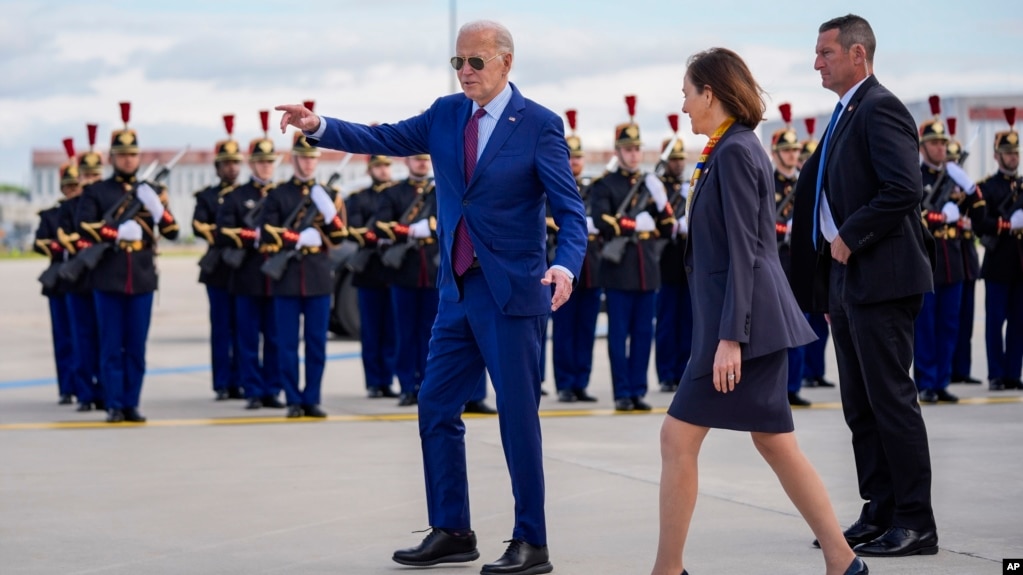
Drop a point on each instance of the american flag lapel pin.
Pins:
(511, 118)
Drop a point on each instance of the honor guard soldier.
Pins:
(673, 333)
(47, 244)
(809, 145)
(125, 277)
(1001, 232)
(372, 280)
(227, 160)
(574, 324)
(785, 150)
(238, 223)
(631, 211)
(300, 223)
(962, 358)
(85, 326)
(937, 324)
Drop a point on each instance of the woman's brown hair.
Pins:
(732, 82)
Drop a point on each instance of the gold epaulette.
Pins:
(613, 222)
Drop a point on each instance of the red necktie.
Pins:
(462, 252)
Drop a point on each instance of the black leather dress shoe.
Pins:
(378, 392)
(479, 407)
(566, 396)
(407, 399)
(521, 558)
(970, 380)
(668, 386)
(796, 401)
(84, 407)
(131, 414)
(900, 542)
(235, 393)
(857, 567)
(294, 411)
(623, 404)
(272, 401)
(1012, 383)
(639, 405)
(223, 395)
(945, 396)
(114, 416)
(821, 382)
(859, 532)
(928, 396)
(439, 547)
(313, 411)
(254, 403)
(809, 382)
(581, 395)
(66, 399)
(995, 384)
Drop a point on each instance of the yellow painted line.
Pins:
(408, 416)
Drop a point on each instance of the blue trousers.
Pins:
(123, 328)
(86, 342)
(813, 356)
(1004, 307)
(377, 327)
(937, 330)
(315, 313)
(630, 322)
(468, 336)
(414, 312)
(795, 377)
(962, 358)
(574, 330)
(255, 316)
(673, 335)
(223, 339)
(63, 343)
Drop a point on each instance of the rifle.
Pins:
(614, 249)
(89, 258)
(336, 176)
(395, 255)
(51, 275)
(275, 266)
(164, 172)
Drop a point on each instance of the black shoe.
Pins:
(313, 411)
(407, 399)
(857, 567)
(222, 395)
(272, 401)
(944, 395)
(1012, 383)
(796, 401)
(623, 404)
(900, 542)
(114, 416)
(566, 396)
(378, 392)
(543, 392)
(821, 382)
(131, 414)
(859, 532)
(99, 404)
(928, 396)
(479, 407)
(581, 395)
(294, 411)
(254, 403)
(439, 547)
(84, 406)
(995, 384)
(809, 382)
(235, 393)
(668, 386)
(521, 558)
(66, 399)
(639, 405)
(970, 380)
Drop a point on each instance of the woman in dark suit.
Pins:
(744, 317)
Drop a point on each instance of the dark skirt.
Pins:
(759, 402)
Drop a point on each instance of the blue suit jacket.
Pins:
(524, 164)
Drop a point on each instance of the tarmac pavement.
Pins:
(207, 487)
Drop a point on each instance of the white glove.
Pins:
(420, 229)
(788, 230)
(645, 222)
(309, 238)
(958, 175)
(323, 202)
(681, 227)
(656, 187)
(1016, 220)
(591, 230)
(951, 211)
(129, 231)
(149, 198)
(967, 223)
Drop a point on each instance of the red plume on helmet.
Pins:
(264, 120)
(1010, 116)
(309, 104)
(935, 103)
(91, 129)
(229, 124)
(69, 147)
(811, 125)
(125, 113)
(951, 126)
(570, 114)
(630, 103)
(673, 122)
(786, 113)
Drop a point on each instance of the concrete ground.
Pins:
(206, 487)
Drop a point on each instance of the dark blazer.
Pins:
(738, 287)
(524, 164)
(872, 181)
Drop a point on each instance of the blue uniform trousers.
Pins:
(795, 377)
(223, 339)
(123, 328)
(673, 333)
(813, 356)
(630, 320)
(86, 341)
(376, 326)
(315, 313)
(255, 317)
(574, 332)
(63, 343)
(937, 330)
(468, 336)
(962, 357)
(1004, 307)
(414, 312)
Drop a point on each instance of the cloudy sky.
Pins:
(184, 63)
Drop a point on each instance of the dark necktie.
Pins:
(820, 171)
(462, 252)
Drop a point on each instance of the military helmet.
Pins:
(69, 170)
(575, 144)
(1008, 140)
(933, 129)
(91, 162)
(785, 138)
(227, 150)
(627, 134)
(124, 141)
(262, 149)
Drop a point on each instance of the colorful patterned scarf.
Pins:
(713, 141)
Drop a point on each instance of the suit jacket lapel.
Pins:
(464, 113)
(510, 119)
(846, 117)
(707, 169)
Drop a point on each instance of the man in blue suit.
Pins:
(498, 159)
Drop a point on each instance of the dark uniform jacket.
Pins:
(362, 208)
(288, 210)
(130, 267)
(71, 241)
(640, 268)
(1003, 258)
(238, 228)
(784, 187)
(672, 266)
(204, 225)
(948, 245)
(589, 275)
(398, 206)
(46, 243)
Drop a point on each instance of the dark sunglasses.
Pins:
(476, 62)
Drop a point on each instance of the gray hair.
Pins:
(501, 36)
(852, 29)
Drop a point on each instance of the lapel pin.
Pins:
(511, 118)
